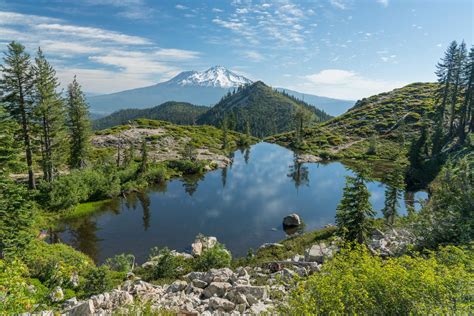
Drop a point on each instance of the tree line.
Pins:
(40, 117)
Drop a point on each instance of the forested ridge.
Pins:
(53, 165)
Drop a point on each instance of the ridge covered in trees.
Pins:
(262, 109)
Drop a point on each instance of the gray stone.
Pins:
(218, 303)
(216, 289)
(292, 220)
(199, 283)
(82, 309)
(69, 303)
(259, 292)
(318, 253)
(270, 245)
(177, 286)
(202, 243)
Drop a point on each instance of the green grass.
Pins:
(291, 247)
(84, 209)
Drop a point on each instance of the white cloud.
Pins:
(176, 54)
(92, 33)
(344, 84)
(217, 10)
(13, 18)
(340, 4)
(383, 2)
(181, 7)
(55, 46)
(253, 56)
(102, 81)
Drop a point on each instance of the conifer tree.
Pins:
(466, 111)
(354, 211)
(79, 125)
(144, 158)
(393, 193)
(224, 133)
(50, 115)
(459, 62)
(17, 86)
(8, 148)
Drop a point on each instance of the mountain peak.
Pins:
(217, 76)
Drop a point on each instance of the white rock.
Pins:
(218, 303)
(216, 289)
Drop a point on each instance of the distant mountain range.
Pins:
(202, 88)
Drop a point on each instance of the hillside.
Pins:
(390, 118)
(267, 111)
(181, 113)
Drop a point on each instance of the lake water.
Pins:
(242, 205)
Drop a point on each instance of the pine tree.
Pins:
(16, 218)
(466, 123)
(354, 211)
(50, 114)
(224, 134)
(393, 193)
(458, 64)
(17, 86)
(79, 125)
(144, 159)
(8, 148)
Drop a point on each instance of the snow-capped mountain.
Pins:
(217, 76)
(199, 88)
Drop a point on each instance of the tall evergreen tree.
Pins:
(16, 85)
(79, 125)
(224, 134)
(459, 62)
(8, 148)
(354, 211)
(50, 114)
(144, 159)
(393, 193)
(466, 123)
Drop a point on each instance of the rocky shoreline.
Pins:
(247, 290)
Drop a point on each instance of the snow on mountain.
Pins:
(217, 76)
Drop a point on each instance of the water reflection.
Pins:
(242, 205)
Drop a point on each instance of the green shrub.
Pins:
(355, 282)
(155, 174)
(187, 166)
(215, 257)
(54, 264)
(121, 263)
(15, 294)
(97, 280)
(170, 265)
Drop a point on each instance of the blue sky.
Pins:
(338, 48)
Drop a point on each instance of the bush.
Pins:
(97, 280)
(355, 282)
(79, 186)
(54, 264)
(15, 294)
(170, 265)
(187, 166)
(215, 257)
(121, 263)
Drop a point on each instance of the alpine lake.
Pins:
(242, 205)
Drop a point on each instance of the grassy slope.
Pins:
(267, 111)
(387, 116)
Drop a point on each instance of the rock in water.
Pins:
(292, 220)
(202, 243)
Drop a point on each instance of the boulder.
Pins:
(177, 286)
(318, 253)
(82, 309)
(69, 303)
(292, 220)
(218, 303)
(216, 289)
(202, 243)
(199, 283)
(259, 292)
